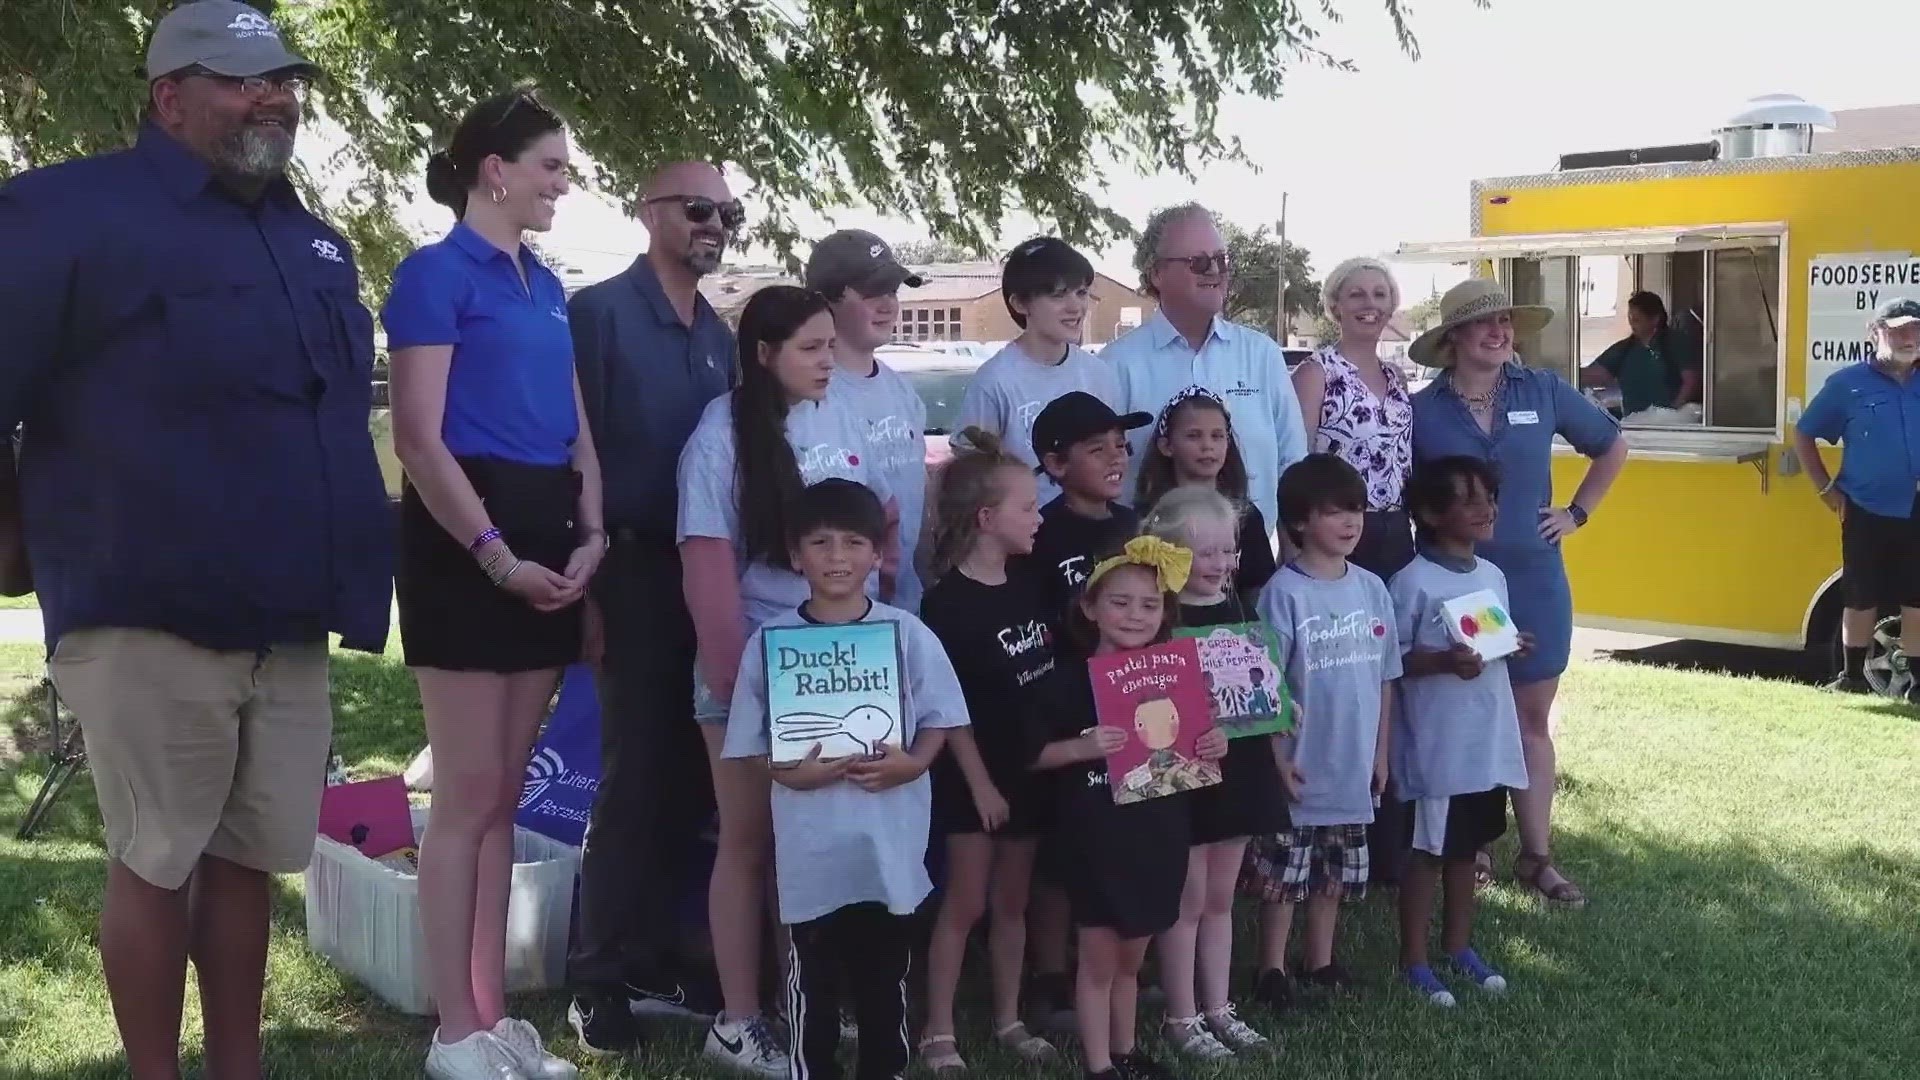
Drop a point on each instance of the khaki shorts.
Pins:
(197, 752)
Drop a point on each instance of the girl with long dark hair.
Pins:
(754, 451)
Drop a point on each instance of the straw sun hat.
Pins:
(1475, 298)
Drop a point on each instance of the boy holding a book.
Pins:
(850, 831)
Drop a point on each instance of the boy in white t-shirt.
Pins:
(850, 834)
(861, 280)
(1047, 287)
(1456, 740)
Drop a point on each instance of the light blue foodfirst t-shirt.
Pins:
(896, 421)
(1010, 389)
(1451, 736)
(1338, 642)
(841, 844)
(828, 441)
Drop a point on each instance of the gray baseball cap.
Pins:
(223, 36)
(853, 258)
(1899, 311)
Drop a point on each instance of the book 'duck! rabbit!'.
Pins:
(837, 687)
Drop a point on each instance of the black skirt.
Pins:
(1249, 800)
(451, 617)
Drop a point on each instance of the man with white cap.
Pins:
(202, 507)
(1874, 408)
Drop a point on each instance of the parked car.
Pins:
(940, 378)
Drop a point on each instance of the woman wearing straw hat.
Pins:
(1487, 404)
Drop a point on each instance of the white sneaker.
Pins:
(748, 1046)
(479, 1056)
(1191, 1037)
(1234, 1032)
(532, 1059)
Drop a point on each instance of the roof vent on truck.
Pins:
(1772, 125)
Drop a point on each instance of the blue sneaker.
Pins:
(1468, 963)
(1429, 986)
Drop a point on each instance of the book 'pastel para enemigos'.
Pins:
(1240, 665)
(1156, 696)
(837, 687)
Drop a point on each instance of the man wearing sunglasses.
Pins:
(202, 506)
(1182, 260)
(861, 279)
(650, 353)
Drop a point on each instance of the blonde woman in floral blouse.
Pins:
(1356, 407)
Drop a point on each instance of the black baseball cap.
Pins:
(1897, 312)
(1078, 415)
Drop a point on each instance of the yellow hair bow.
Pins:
(1171, 563)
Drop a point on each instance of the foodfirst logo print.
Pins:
(821, 460)
(1343, 641)
(1024, 638)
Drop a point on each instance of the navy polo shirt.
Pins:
(194, 375)
(1878, 416)
(1537, 406)
(510, 387)
(645, 377)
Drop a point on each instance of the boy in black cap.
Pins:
(1082, 446)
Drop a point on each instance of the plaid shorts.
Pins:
(1288, 867)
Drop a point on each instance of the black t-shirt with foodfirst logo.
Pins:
(1068, 545)
(1001, 641)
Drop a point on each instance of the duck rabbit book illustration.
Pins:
(835, 687)
(1240, 665)
(1158, 698)
(1482, 623)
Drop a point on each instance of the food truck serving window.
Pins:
(1717, 362)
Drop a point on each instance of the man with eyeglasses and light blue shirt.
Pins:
(1182, 260)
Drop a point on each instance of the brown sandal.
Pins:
(942, 1061)
(1482, 869)
(1528, 869)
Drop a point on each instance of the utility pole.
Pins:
(1280, 275)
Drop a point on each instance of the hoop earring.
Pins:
(499, 195)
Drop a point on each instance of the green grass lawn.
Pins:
(1750, 847)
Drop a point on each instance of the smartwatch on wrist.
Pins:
(1578, 513)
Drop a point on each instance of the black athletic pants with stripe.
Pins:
(858, 954)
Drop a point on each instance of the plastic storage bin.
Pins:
(365, 918)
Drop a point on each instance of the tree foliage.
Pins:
(1254, 295)
(952, 114)
(924, 252)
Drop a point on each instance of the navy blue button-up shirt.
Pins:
(645, 376)
(1878, 418)
(194, 376)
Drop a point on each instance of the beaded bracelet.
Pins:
(485, 538)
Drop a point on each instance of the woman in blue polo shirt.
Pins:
(1489, 405)
(1875, 409)
(500, 530)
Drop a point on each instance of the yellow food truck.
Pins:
(1772, 257)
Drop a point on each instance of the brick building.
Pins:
(959, 302)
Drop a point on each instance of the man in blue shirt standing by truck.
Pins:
(1874, 409)
(188, 353)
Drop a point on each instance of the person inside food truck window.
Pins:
(1873, 410)
(1655, 364)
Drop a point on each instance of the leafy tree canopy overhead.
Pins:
(953, 113)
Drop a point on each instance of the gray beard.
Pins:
(701, 263)
(254, 153)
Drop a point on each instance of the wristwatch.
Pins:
(1578, 513)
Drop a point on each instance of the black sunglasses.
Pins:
(524, 98)
(1199, 264)
(700, 209)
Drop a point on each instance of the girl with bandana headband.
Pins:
(1193, 445)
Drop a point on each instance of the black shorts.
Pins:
(1880, 558)
(451, 617)
(1249, 800)
(954, 813)
(1473, 822)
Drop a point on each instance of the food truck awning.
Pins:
(1597, 242)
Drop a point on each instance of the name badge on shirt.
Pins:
(1523, 416)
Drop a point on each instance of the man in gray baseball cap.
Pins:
(225, 84)
(222, 515)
